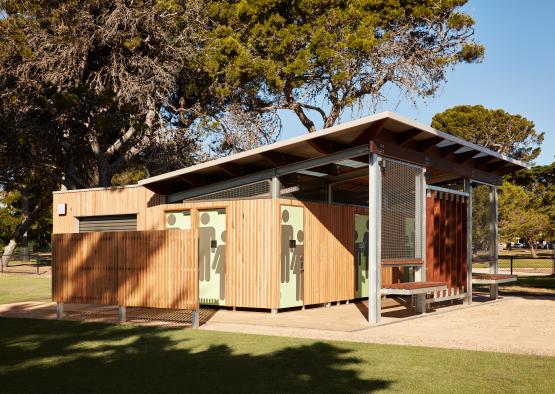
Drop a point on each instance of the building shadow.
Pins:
(46, 356)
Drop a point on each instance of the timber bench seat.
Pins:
(413, 288)
(492, 279)
(402, 263)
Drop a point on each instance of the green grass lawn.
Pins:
(24, 287)
(541, 262)
(62, 356)
(546, 282)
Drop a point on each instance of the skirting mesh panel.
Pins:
(401, 211)
(260, 189)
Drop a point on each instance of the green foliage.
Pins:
(129, 176)
(539, 184)
(296, 53)
(520, 216)
(512, 135)
(10, 215)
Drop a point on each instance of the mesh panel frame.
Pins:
(402, 209)
(482, 219)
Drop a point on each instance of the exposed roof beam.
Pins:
(370, 133)
(426, 145)
(479, 161)
(232, 169)
(358, 173)
(465, 156)
(447, 150)
(326, 146)
(194, 180)
(267, 174)
(406, 136)
(433, 161)
(279, 159)
(495, 166)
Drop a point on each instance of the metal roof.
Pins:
(345, 135)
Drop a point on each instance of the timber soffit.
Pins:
(407, 134)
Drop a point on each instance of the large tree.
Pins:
(509, 134)
(539, 183)
(321, 57)
(106, 79)
(91, 92)
(520, 216)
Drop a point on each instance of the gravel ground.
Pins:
(524, 325)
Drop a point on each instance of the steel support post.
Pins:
(468, 189)
(122, 313)
(374, 240)
(59, 310)
(494, 230)
(195, 318)
(420, 228)
(275, 187)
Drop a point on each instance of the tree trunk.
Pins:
(25, 210)
(533, 249)
(24, 226)
(8, 252)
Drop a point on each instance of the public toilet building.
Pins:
(380, 206)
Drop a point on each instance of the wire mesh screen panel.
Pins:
(401, 211)
(482, 220)
(261, 189)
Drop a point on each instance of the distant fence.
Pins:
(518, 264)
(136, 268)
(24, 263)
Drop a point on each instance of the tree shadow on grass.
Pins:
(45, 356)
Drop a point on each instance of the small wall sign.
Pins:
(61, 209)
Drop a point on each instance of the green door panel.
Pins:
(361, 255)
(211, 255)
(292, 256)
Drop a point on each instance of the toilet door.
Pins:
(211, 256)
(291, 257)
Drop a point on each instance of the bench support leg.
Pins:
(494, 292)
(421, 303)
(122, 314)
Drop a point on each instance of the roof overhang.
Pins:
(386, 133)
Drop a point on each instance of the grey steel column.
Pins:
(59, 310)
(468, 189)
(374, 239)
(494, 230)
(195, 318)
(420, 272)
(275, 187)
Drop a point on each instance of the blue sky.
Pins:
(517, 74)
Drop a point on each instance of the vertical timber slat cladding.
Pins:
(446, 237)
(252, 248)
(111, 272)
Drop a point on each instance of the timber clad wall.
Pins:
(84, 264)
(446, 256)
(148, 268)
